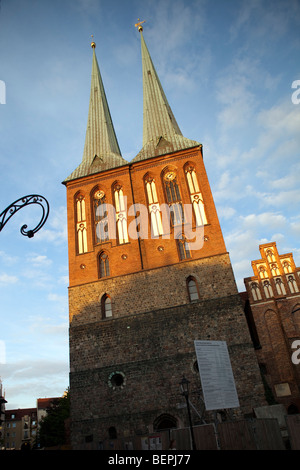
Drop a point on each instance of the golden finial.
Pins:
(93, 44)
(139, 25)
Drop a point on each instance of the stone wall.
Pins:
(151, 351)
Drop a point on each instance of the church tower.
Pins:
(149, 273)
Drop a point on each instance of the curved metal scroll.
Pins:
(23, 202)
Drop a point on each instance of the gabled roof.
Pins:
(161, 133)
(101, 149)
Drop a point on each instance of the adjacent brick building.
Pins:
(138, 302)
(272, 305)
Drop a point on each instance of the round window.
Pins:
(117, 380)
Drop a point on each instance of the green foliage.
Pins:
(52, 426)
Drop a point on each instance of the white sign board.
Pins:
(219, 391)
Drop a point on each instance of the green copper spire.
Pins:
(161, 133)
(101, 149)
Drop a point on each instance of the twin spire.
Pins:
(161, 133)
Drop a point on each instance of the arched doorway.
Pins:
(164, 421)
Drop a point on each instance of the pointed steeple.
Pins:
(101, 149)
(161, 133)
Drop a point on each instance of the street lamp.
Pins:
(22, 202)
(184, 387)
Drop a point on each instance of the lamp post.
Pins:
(184, 387)
(23, 202)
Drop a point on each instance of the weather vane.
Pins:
(139, 25)
(93, 44)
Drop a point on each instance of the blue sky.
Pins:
(227, 68)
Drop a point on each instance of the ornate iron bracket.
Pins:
(23, 202)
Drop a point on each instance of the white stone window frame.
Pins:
(81, 225)
(121, 214)
(196, 196)
(153, 207)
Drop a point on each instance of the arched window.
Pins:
(173, 197)
(183, 248)
(262, 272)
(255, 291)
(287, 267)
(100, 217)
(195, 195)
(153, 205)
(292, 285)
(274, 269)
(192, 289)
(106, 309)
(81, 227)
(121, 215)
(268, 289)
(270, 256)
(280, 286)
(103, 265)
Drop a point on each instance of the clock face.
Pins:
(170, 175)
(99, 194)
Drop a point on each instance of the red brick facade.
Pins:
(126, 363)
(273, 294)
(150, 252)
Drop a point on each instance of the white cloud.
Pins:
(226, 212)
(55, 229)
(8, 259)
(26, 380)
(289, 180)
(8, 279)
(60, 300)
(267, 219)
(39, 260)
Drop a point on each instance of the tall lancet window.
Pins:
(255, 291)
(81, 228)
(262, 272)
(173, 197)
(274, 269)
(100, 217)
(192, 289)
(280, 286)
(270, 256)
(287, 267)
(268, 289)
(292, 284)
(195, 195)
(153, 205)
(183, 248)
(121, 216)
(103, 265)
(106, 308)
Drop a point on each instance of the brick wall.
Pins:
(276, 324)
(153, 350)
(146, 254)
(152, 289)
(148, 343)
